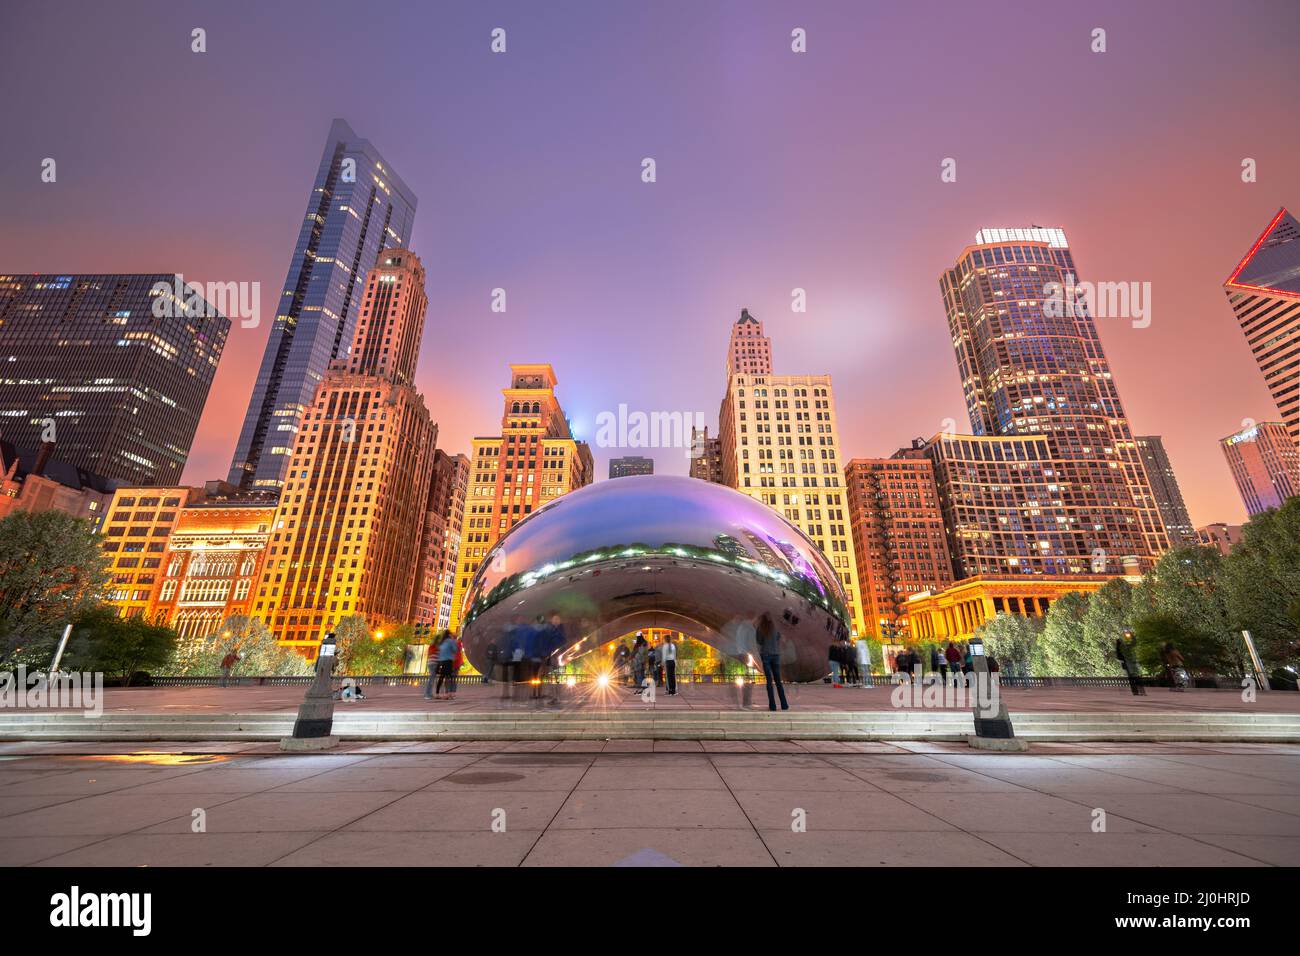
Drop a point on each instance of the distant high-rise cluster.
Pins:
(1168, 496)
(1265, 464)
(631, 465)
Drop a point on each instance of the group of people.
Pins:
(446, 655)
(850, 661)
(645, 658)
(954, 660)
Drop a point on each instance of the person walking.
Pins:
(668, 651)
(937, 663)
(447, 648)
(1173, 661)
(769, 651)
(863, 650)
(640, 656)
(431, 665)
(833, 656)
(227, 665)
(1130, 666)
(953, 657)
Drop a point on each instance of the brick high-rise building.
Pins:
(1264, 292)
(1220, 536)
(1035, 377)
(1265, 464)
(111, 368)
(1164, 485)
(349, 526)
(533, 461)
(706, 456)
(898, 536)
(358, 207)
(440, 547)
(780, 444)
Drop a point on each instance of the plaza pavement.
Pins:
(642, 802)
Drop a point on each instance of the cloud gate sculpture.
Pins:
(653, 551)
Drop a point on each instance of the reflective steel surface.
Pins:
(653, 551)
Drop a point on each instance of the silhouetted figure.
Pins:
(769, 651)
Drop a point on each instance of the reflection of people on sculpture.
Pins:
(769, 650)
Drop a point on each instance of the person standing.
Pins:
(769, 651)
(668, 651)
(1130, 666)
(431, 665)
(833, 656)
(227, 665)
(447, 648)
(640, 656)
(863, 651)
(937, 663)
(848, 661)
(953, 657)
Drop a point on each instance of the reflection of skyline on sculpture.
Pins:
(654, 551)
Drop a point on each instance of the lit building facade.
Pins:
(110, 367)
(631, 465)
(1264, 292)
(139, 524)
(52, 485)
(1164, 485)
(750, 351)
(780, 444)
(347, 533)
(440, 548)
(358, 207)
(1265, 464)
(533, 461)
(1033, 372)
(1220, 536)
(955, 613)
(898, 537)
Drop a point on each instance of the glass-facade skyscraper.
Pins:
(1029, 367)
(358, 207)
(113, 369)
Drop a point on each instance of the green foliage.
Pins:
(1186, 586)
(1112, 610)
(52, 571)
(260, 654)
(1062, 645)
(1013, 640)
(362, 652)
(119, 647)
(1201, 652)
(1261, 582)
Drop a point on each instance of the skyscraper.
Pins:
(780, 444)
(898, 536)
(1265, 464)
(533, 461)
(1169, 498)
(631, 465)
(1264, 292)
(357, 208)
(1031, 364)
(706, 456)
(348, 530)
(113, 369)
(440, 547)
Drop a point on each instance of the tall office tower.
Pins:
(533, 461)
(1265, 464)
(1031, 363)
(1169, 499)
(1222, 537)
(114, 369)
(205, 552)
(898, 536)
(780, 444)
(358, 207)
(440, 546)
(631, 465)
(750, 351)
(706, 456)
(347, 533)
(1264, 292)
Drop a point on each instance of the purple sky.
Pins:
(775, 170)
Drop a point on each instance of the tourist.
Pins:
(493, 653)
(937, 663)
(640, 657)
(1130, 666)
(848, 661)
(864, 661)
(833, 655)
(769, 651)
(668, 651)
(431, 664)
(447, 650)
(953, 657)
(227, 665)
(1173, 662)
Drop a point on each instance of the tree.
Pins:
(1201, 652)
(363, 651)
(260, 654)
(1013, 640)
(52, 571)
(1112, 610)
(1064, 651)
(1261, 582)
(119, 647)
(1186, 587)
